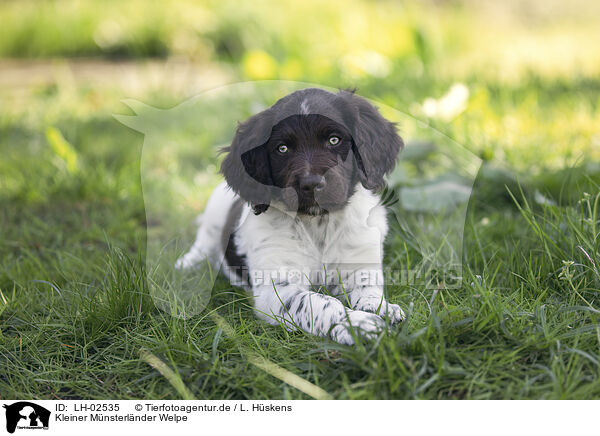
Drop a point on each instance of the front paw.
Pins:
(393, 312)
(362, 324)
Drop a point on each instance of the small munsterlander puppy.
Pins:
(298, 221)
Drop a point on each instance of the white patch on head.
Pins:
(304, 109)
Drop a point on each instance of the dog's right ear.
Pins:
(246, 167)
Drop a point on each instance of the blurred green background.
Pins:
(530, 69)
(517, 83)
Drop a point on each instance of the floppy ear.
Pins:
(246, 167)
(376, 143)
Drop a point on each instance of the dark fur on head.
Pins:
(304, 121)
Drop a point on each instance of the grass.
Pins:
(78, 322)
(522, 326)
(77, 318)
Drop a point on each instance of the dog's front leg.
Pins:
(318, 314)
(368, 296)
(371, 299)
(358, 267)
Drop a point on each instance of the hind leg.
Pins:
(208, 237)
(203, 248)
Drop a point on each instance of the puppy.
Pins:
(298, 221)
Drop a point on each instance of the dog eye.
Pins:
(334, 140)
(282, 148)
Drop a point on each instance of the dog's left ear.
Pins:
(376, 142)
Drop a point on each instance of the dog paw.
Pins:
(184, 262)
(393, 312)
(362, 324)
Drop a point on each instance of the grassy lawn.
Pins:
(77, 319)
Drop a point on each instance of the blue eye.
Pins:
(334, 140)
(282, 148)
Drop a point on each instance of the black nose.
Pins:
(311, 183)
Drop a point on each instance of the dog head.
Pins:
(309, 151)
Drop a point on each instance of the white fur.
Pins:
(304, 109)
(210, 226)
(288, 255)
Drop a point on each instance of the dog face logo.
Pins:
(24, 414)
